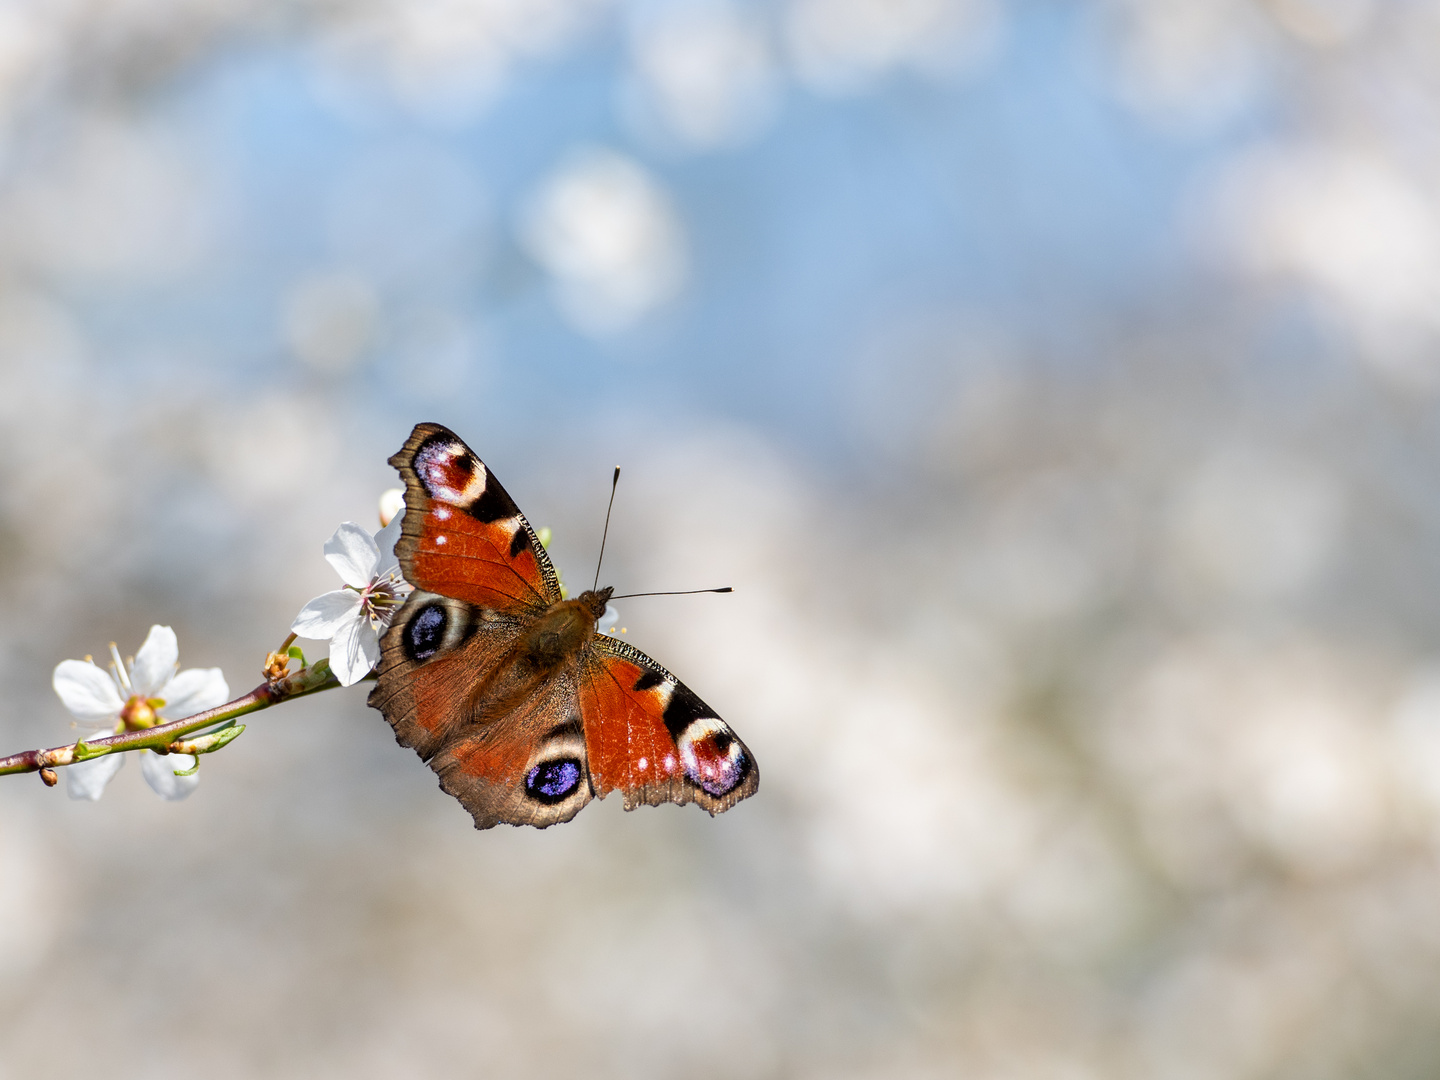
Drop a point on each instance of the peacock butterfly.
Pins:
(506, 689)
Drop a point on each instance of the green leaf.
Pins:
(84, 752)
(224, 737)
(296, 653)
(207, 744)
(190, 771)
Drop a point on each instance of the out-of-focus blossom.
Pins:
(1186, 65)
(239, 445)
(607, 232)
(1356, 228)
(149, 690)
(1257, 524)
(354, 617)
(392, 503)
(840, 46)
(704, 72)
(117, 203)
(329, 320)
(448, 59)
(1326, 23)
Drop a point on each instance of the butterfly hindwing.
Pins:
(463, 536)
(509, 746)
(436, 651)
(527, 767)
(649, 736)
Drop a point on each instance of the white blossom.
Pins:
(352, 618)
(148, 690)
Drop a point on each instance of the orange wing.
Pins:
(463, 536)
(648, 735)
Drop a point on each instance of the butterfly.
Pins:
(506, 689)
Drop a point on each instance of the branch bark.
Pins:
(307, 680)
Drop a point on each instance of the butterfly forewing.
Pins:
(463, 536)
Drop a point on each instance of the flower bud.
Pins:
(391, 503)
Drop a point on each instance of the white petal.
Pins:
(353, 554)
(87, 779)
(89, 693)
(159, 772)
(193, 690)
(385, 540)
(322, 617)
(354, 651)
(155, 662)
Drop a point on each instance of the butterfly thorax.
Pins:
(564, 630)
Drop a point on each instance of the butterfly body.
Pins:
(506, 688)
(565, 630)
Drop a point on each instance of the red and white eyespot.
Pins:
(713, 758)
(449, 472)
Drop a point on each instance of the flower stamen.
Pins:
(122, 675)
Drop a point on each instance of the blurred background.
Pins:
(1056, 383)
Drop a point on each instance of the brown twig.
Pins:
(307, 680)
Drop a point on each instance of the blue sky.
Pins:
(1021, 197)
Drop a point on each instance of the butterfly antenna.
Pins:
(681, 592)
(613, 484)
